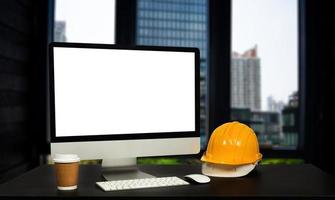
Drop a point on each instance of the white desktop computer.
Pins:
(118, 103)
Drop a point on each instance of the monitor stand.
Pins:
(122, 169)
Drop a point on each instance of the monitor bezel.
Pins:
(134, 136)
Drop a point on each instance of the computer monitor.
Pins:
(115, 103)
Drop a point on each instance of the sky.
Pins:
(87, 20)
(273, 26)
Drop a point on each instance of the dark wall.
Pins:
(320, 84)
(20, 46)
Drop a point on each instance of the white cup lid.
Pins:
(66, 158)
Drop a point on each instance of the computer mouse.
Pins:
(197, 178)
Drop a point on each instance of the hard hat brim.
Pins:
(220, 170)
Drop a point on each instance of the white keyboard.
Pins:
(140, 183)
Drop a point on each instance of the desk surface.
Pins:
(266, 180)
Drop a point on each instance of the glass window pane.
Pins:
(264, 70)
(85, 21)
(177, 23)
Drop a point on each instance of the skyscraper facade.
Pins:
(290, 115)
(179, 23)
(59, 31)
(246, 80)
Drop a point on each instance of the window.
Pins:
(85, 21)
(177, 23)
(264, 70)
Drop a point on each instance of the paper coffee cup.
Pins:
(67, 170)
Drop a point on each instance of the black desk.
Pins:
(267, 180)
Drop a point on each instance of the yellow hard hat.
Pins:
(232, 143)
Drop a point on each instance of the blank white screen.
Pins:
(108, 91)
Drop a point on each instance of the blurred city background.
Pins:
(264, 71)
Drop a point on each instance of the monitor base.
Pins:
(122, 169)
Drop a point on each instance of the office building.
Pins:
(266, 124)
(291, 121)
(242, 115)
(274, 105)
(60, 31)
(246, 80)
(177, 23)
